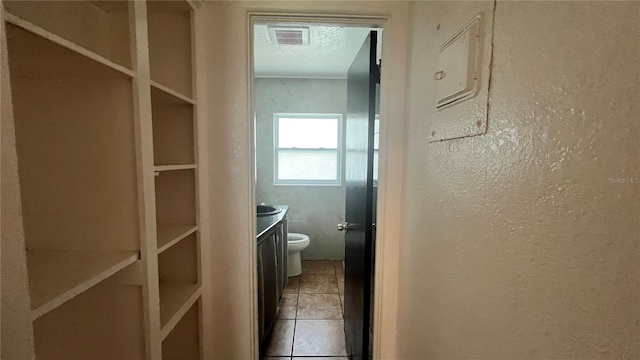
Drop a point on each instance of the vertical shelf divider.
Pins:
(17, 329)
(200, 180)
(146, 185)
(202, 191)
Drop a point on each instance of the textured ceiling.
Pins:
(330, 52)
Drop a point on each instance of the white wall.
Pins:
(516, 245)
(314, 210)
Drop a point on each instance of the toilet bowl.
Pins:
(295, 243)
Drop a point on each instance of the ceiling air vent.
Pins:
(289, 35)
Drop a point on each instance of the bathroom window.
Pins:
(307, 149)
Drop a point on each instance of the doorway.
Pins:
(314, 85)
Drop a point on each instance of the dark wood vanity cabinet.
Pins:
(268, 292)
(281, 247)
(272, 274)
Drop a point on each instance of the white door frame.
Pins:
(391, 162)
(226, 140)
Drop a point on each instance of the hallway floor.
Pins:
(311, 322)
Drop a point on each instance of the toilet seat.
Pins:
(294, 238)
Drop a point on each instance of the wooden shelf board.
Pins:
(175, 300)
(171, 234)
(174, 167)
(34, 29)
(164, 95)
(171, 7)
(57, 276)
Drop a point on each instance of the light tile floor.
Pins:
(311, 321)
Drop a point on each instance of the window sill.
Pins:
(309, 184)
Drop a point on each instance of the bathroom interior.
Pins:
(300, 112)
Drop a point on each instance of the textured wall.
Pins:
(521, 244)
(315, 210)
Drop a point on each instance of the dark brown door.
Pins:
(359, 235)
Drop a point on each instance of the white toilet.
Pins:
(295, 243)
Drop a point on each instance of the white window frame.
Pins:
(276, 149)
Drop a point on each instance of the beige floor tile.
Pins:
(281, 338)
(339, 266)
(340, 284)
(319, 307)
(319, 338)
(313, 267)
(293, 284)
(318, 284)
(287, 312)
(289, 300)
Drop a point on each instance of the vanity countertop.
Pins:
(265, 224)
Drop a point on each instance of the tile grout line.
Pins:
(339, 297)
(339, 294)
(325, 293)
(295, 319)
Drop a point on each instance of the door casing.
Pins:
(389, 217)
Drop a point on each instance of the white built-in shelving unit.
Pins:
(102, 105)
